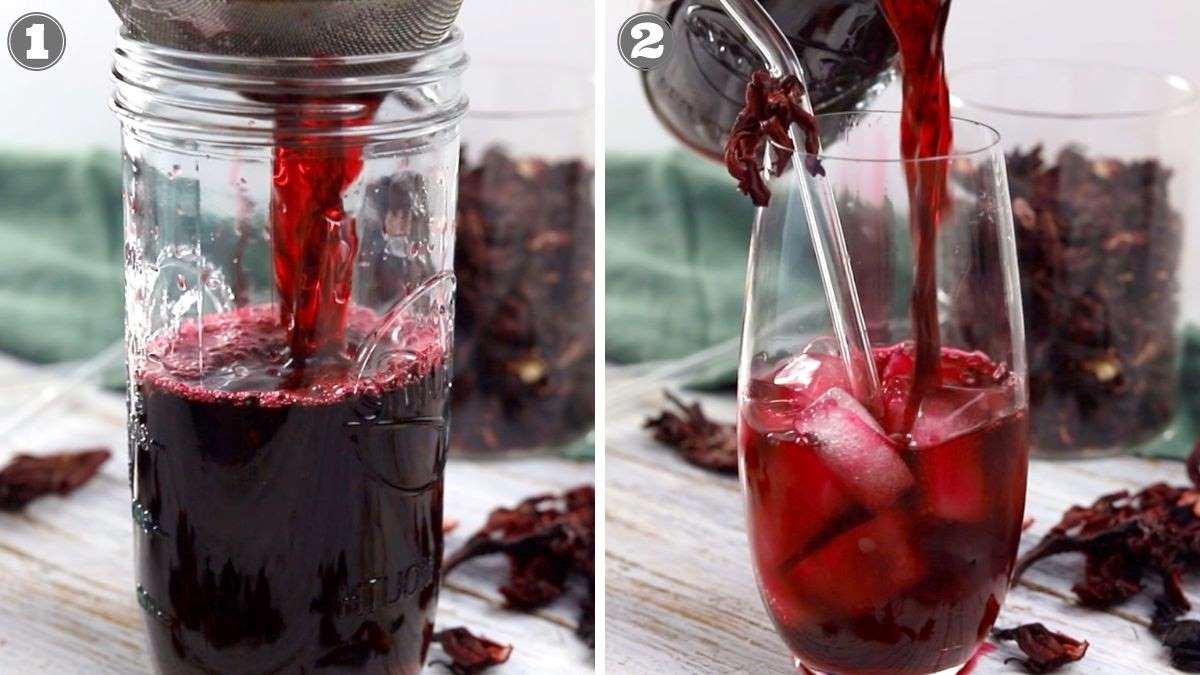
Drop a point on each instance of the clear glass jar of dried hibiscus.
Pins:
(524, 356)
(1099, 171)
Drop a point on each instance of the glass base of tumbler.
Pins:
(802, 669)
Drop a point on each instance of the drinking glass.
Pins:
(1100, 163)
(883, 543)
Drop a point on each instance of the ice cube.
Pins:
(949, 412)
(853, 445)
(895, 361)
(795, 498)
(771, 408)
(861, 569)
(951, 479)
(778, 398)
(894, 396)
(967, 368)
(813, 373)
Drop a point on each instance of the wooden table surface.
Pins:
(681, 596)
(66, 564)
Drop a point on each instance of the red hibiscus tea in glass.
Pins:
(879, 550)
(883, 531)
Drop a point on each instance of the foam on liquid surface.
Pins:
(243, 356)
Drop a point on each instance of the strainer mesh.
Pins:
(289, 28)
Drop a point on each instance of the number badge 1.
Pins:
(36, 41)
(646, 41)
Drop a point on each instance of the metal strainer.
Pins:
(289, 28)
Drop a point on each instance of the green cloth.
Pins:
(1184, 435)
(61, 296)
(677, 235)
(60, 262)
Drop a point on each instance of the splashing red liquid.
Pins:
(313, 239)
(920, 27)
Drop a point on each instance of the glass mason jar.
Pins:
(869, 524)
(525, 320)
(289, 232)
(1100, 168)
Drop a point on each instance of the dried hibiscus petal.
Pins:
(549, 540)
(28, 477)
(772, 105)
(1193, 465)
(586, 630)
(1125, 537)
(1180, 637)
(1045, 650)
(470, 653)
(703, 442)
(1110, 578)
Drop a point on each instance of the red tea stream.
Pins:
(919, 27)
(313, 239)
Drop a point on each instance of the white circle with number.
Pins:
(646, 41)
(36, 41)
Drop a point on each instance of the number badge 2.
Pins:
(646, 41)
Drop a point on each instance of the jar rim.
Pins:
(990, 141)
(452, 43)
(251, 100)
(337, 75)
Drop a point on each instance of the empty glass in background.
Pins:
(1100, 163)
(877, 551)
(524, 354)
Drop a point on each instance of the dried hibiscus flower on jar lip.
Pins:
(29, 477)
(703, 442)
(550, 541)
(772, 105)
(524, 319)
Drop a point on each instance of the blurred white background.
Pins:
(65, 108)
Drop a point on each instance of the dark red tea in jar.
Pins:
(524, 354)
(877, 550)
(283, 529)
